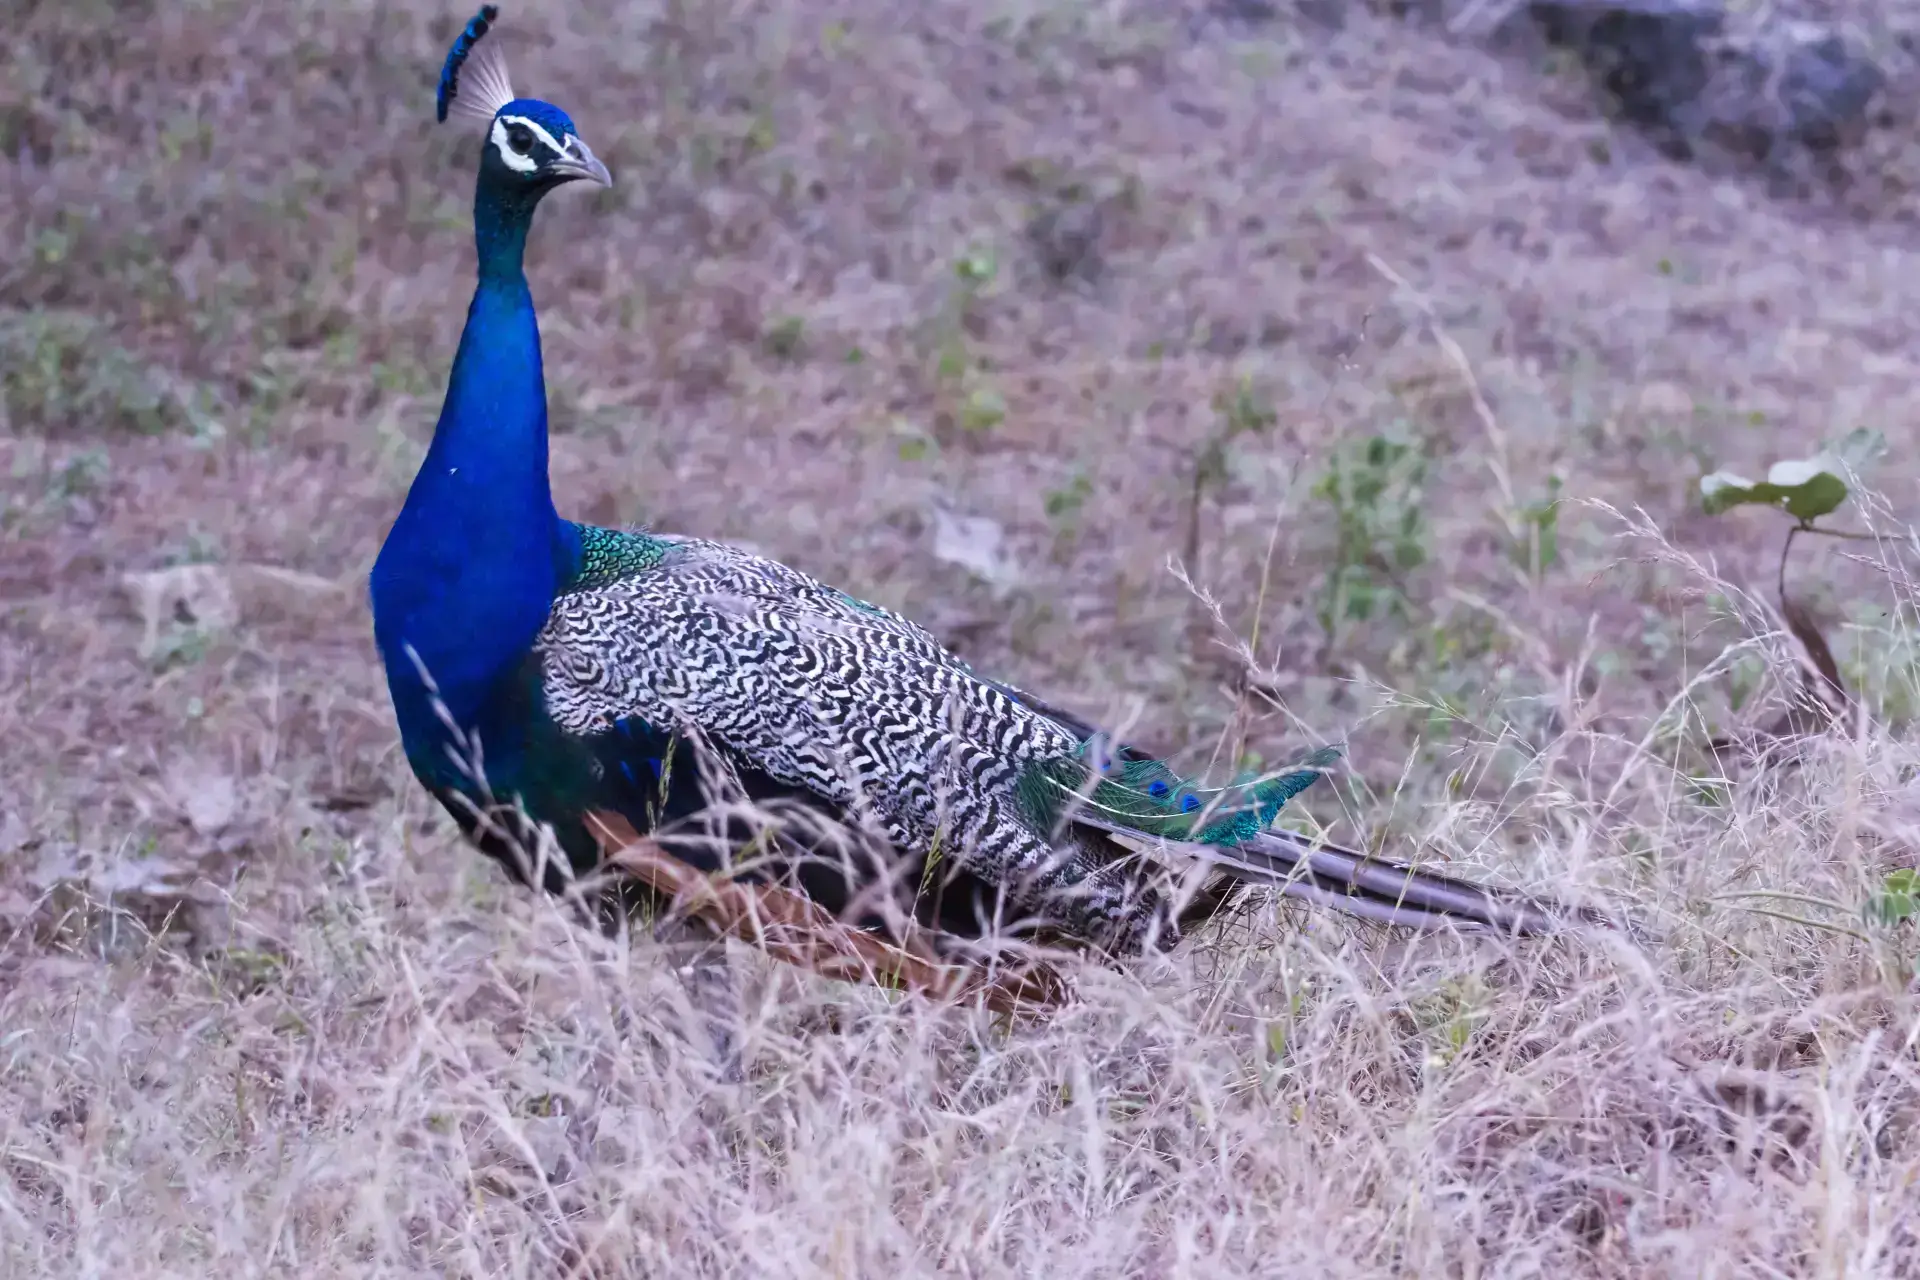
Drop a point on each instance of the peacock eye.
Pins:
(520, 139)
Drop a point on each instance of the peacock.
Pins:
(692, 724)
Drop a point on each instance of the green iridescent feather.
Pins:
(1147, 797)
(609, 555)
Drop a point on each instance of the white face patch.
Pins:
(513, 159)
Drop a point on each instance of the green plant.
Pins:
(1804, 488)
(1535, 538)
(1881, 919)
(912, 444)
(963, 384)
(1243, 411)
(179, 646)
(80, 476)
(1449, 1017)
(1064, 503)
(974, 273)
(196, 546)
(1064, 506)
(1376, 493)
(61, 371)
(983, 409)
(1898, 900)
(1880, 661)
(977, 267)
(785, 338)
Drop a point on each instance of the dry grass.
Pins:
(261, 1013)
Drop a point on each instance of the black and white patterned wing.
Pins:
(805, 684)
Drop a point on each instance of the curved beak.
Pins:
(580, 162)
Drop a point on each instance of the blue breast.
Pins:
(469, 571)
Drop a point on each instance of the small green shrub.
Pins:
(1376, 493)
(61, 372)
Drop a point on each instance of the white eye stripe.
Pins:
(536, 129)
(514, 160)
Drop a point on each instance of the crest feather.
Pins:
(474, 83)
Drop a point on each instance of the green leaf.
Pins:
(1805, 488)
(977, 267)
(1723, 490)
(1809, 488)
(983, 410)
(1898, 900)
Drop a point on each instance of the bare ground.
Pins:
(1366, 295)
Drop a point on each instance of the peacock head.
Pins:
(532, 146)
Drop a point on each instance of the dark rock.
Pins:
(1325, 13)
(1647, 56)
(1241, 15)
(1825, 88)
(1248, 11)
(1695, 80)
(1066, 238)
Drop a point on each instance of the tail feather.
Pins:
(1126, 792)
(1135, 794)
(1364, 885)
(1319, 894)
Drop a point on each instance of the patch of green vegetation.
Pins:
(1448, 1018)
(785, 338)
(1244, 411)
(983, 409)
(1534, 533)
(80, 476)
(1375, 491)
(974, 273)
(1898, 900)
(1063, 504)
(1744, 678)
(185, 137)
(403, 374)
(46, 487)
(1880, 661)
(62, 371)
(911, 443)
(963, 380)
(1457, 664)
(1065, 507)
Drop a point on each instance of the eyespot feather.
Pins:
(1145, 796)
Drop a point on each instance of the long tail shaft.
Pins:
(1380, 890)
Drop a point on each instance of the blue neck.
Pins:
(501, 221)
(469, 571)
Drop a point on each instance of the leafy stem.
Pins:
(1808, 526)
(1804, 488)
